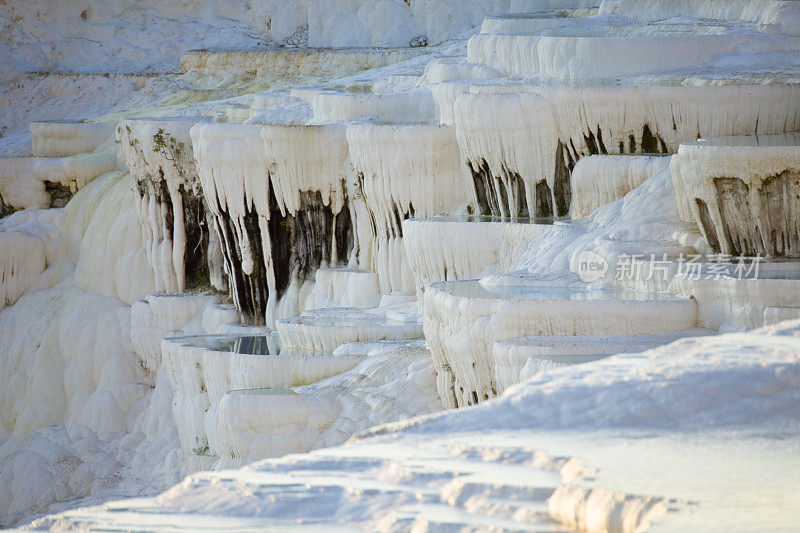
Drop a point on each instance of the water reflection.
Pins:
(241, 344)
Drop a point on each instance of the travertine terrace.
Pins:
(400, 265)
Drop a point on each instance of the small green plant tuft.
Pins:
(166, 145)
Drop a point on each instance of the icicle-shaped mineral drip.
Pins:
(306, 158)
(159, 154)
(216, 259)
(178, 237)
(742, 192)
(524, 133)
(269, 263)
(165, 247)
(154, 246)
(507, 135)
(409, 170)
(235, 181)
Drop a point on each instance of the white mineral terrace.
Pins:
(421, 265)
(157, 316)
(742, 192)
(733, 302)
(322, 330)
(294, 62)
(410, 106)
(464, 318)
(158, 153)
(597, 180)
(524, 23)
(61, 139)
(466, 247)
(588, 48)
(394, 187)
(772, 16)
(160, 148)
(202, 369)
(266, 422)
(345, 287)
(521, 167)
(26, 182)
(516, 360)
(308, 169)
(731, 293)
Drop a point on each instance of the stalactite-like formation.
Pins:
(743, 193)
(403, 171)
(509, 148)
(279, 198)
(159, 155)
(519, 149)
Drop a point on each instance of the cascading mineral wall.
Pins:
(291, 203)
(311, 222)
(172, 210)
(742, 192)
(509, 144)
(402, 171)
(233, 173)
(464, 319)
(600, 179)
(520, 147)
(279, 199)
(460, 248)
(203, 369)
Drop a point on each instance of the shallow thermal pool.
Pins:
(489, 218)
(475, 289)
(265, 391)
(242, 344)
(785, 139)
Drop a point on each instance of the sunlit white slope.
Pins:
(393, 381)
(105, 239)
(31, 243)
(76, 404)
(479, 465)
(690, 384)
